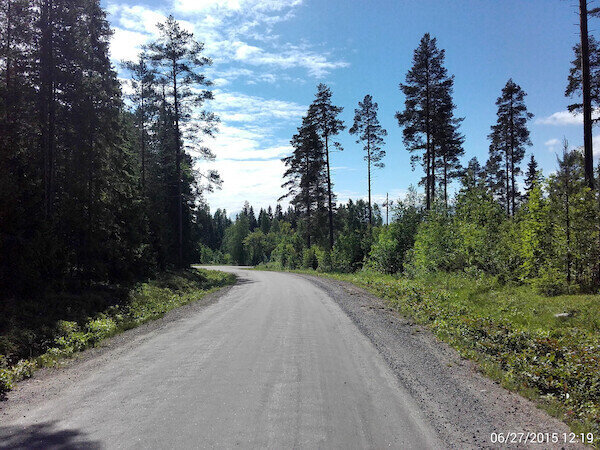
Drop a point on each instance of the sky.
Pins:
(269, 55)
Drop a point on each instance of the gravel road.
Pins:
(277, 361)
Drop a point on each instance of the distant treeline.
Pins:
(96, 187)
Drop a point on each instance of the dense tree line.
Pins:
(96, 188)
(503, 221)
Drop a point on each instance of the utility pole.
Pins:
(587, 102)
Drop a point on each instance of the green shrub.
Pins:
(551, 282)
(309, 258)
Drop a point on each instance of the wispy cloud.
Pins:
(551, 144)
(225, 27)
(564, 118)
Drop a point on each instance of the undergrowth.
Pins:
(54, 340)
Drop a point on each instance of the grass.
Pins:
(511, 332)
(43, 333)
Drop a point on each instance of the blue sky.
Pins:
(269, 55)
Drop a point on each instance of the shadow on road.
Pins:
(44, 435)
(241, 280)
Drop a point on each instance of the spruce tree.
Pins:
(305, 175)
(368, 130)
(324, 114)
(509, 137)
(533, 176)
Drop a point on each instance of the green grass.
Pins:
(511, 332)
(50, 339)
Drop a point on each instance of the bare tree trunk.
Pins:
(369, 178)
(587, 102)
(48, 107)
(178, 170)
(428, 148)
(512, 158)
(143, 140)
(506, 159)
(445, 182)
(329, 194)
(568, 224)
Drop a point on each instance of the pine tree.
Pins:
(179, 59)
(509, 137)
(324, 114)
(368, 130)
(428, 120)
(305, 175)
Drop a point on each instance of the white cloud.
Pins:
(287, 57)
(564, 118)
(551, 144)
(256, 181)
(596, 145)
(233, 6)
(238, 107)
(126, 44)
(224, 27)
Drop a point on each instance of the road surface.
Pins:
(274, 363)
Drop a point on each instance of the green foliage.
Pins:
(389, 251)
(310, 259)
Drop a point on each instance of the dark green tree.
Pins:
(509, 137)
(324, 114)
(428, 121)
(179, 59)
(145, 98)
(369, 131)
(533, 176)
(306, 176)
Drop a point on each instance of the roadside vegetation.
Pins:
(37, 334)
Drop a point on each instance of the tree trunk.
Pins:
(143, 140)
(445, 182)
(369, 178)
(178, 170)
(307, 197)
(507, 196)
(48, 107)
(428, 144)
(568, 224)
(512, 158)
(329, 194)
(587, 102)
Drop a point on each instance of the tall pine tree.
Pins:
(324, 114)
(428, 121)
(368, 130)
(179, 59)
(508, 138)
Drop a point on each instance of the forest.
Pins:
(501, 217)
(101, 190)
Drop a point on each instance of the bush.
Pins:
(309, 258)
(325, 261)
(551, 282)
